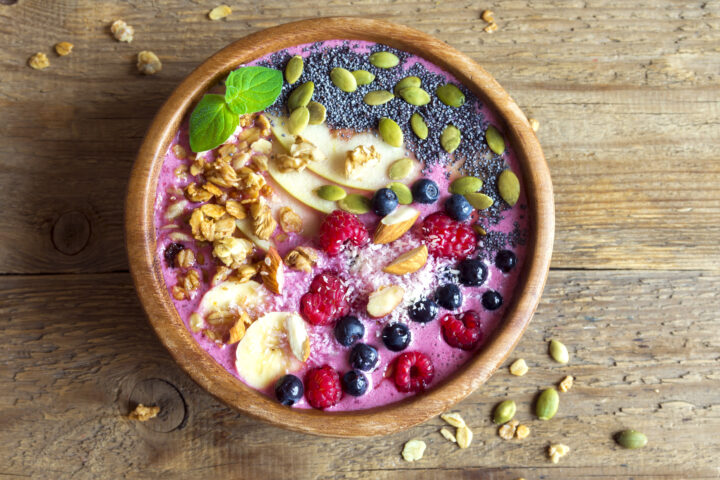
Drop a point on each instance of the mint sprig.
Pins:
(247, 90)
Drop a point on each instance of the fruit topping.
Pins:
(171, 252)
(409, 262)
(322, 387)
(492, 300)
(272, 271)
(462, 332)
(505, 260)
(384, 202)
(289, 390)
(297, 337)
(448, 238)
(348, 330)
(394, 225)
(473, 272)
(354, 383)
(396, 336)
(325, 301)
(425, 191)
(384, 300)
(423, 311)
(458, 207)
(413, 372)
(339, 227)
(449, 296)
(363, 357)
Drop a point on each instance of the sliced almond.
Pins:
(237, 331)
(464, 436)
(272, 271)
(394, 225)
(409, 262)
(384, 300)
(297, 336)
(453, 419)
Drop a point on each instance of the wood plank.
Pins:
(626, 95)
(644, 351)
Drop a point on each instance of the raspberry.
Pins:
(464, 332)
(322, 387)
(339, 227)
(413, 372)
(447, 238)
(325, 301)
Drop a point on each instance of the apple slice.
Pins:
(245, 226)
(302, 186)
(395, 224)
(384, 300)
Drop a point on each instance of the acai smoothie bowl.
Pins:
(341, 226)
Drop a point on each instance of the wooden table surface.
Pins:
(628, 99)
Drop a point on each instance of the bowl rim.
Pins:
(146, 271)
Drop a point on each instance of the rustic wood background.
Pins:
(628, 98)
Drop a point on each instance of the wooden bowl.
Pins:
(146, 268)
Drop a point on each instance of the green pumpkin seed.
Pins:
(407, 82)
(418, 125)
(504, 412)
(404, 195)
(631, 439)
(378, 97)
(355, 203)
(331, 193)
(317, 113)
(294, 69)
(391, 132)
(465, 185)
(547, 404)
(450, 95)
(415, 96)
(400, 169)
(298, 120)
(384, 59)
(363, 77)
(495, 140)
(450, 138)
(301, 96)
(479, 201)
(558, 351)
(508, 187)
(343, 79)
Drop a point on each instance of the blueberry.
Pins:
(349, 330)
(289, 389)
(423, 311)
(396, 336)
(491, 300)
(363, 357)
(354, 383)
(171, 252)
(473, 272)
(384, 202)
(449, 296)
(425, 191)
(458, 208)
(505, 260)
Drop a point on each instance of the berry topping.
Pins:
(447, 238)
(339, 227)
(463, 332)
(473, 272)
(458, 207)
(491, 300)
(289, 390)
(354, 383)
(325, 301)
(171, 252)
(363, 357)
(349, 330)
(423, 311)
(505, 260)
(384, 202)
(396, 336)
(322, 387)
(449, 296)
(425, 191)
(413, 372)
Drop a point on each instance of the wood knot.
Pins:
(161, 393)
(71, 232)
(8, 2)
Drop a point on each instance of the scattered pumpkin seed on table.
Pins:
(317, 113)
(400, 169)
(450, 138)
(298, 120)
(343, 79)
(547, 404)
(504, 412)
(355, 203)
(415, 96)
(301, 96)
(407, 82)
(402, 191)
(378, 97)
(294, 69)
(495, 140)
(631, 439)
(390, 132)
(331, 193)
(384, 59)
(465, 185)
(418, 125)
(450, 95)
(508, 187)
(558, 351)
(363, 77)
(479, 201)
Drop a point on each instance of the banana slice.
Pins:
(266, 352)
(229, 295)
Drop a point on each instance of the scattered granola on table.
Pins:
(143, 413)
(122, 31)
(64, 48)
(148, 63)
(39, 61)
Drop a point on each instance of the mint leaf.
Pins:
(211, 123)
(252, 89)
